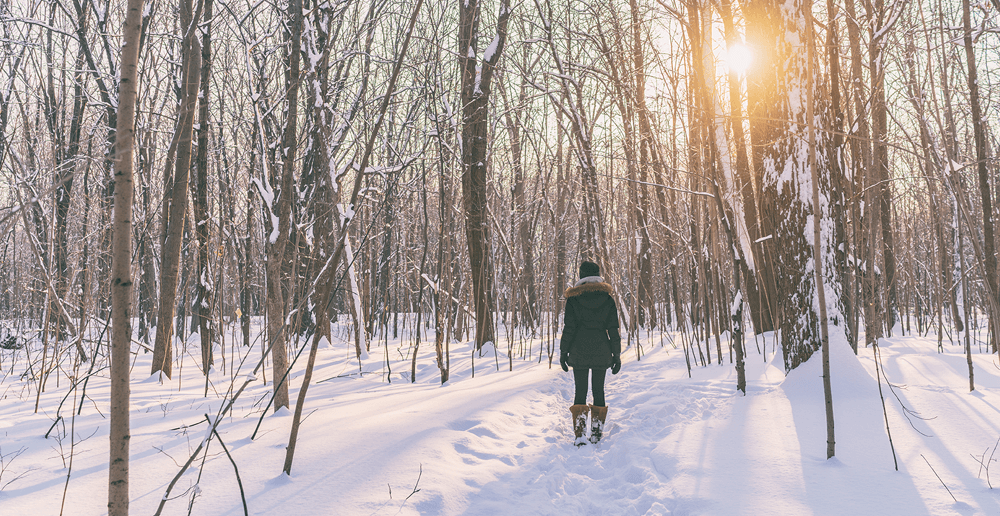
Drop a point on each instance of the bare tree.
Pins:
(176, 186)
(201, 313)
(121, 283)
(779, 149)
(477, 79)
(982, 172)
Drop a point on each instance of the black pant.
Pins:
(597, 380)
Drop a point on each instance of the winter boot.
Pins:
(579, 413)
(597, 417)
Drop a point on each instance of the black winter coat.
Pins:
(590, 336)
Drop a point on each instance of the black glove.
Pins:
(616, 364)
(564, 361)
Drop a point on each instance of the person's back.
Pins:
(590, 311)
(590, 344)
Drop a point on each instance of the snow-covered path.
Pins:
(500, 443)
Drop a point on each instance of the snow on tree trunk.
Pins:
(778, 122)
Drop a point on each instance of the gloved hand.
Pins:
(564, 361)
(616, 364)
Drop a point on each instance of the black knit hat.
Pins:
(589, 269)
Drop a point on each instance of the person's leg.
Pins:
(598, 411)
(580, 408)
(598, 384)
(580, 377)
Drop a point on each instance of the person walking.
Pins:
(590, 344)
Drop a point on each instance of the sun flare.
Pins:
(738, 58)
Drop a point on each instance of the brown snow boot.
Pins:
(579, 413)
(597, 417)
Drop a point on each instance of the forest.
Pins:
(226, 184)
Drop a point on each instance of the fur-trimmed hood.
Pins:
(588, 287)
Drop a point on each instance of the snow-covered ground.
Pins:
(500, 442)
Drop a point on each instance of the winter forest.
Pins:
(233, 230)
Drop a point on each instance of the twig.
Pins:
(885, 414)
(239, 481)
(4, 464)
(157, 448)
(185, 427)
(415, 490)
(173, 481)
(197, 483)
(988, 465)
(938, 477)
(347, 375)
(980, 461)
(72, 445)
(54, 423)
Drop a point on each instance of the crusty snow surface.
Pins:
(499, 442)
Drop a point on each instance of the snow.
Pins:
(499, 442)
(477, 88)
(267, 196)
(492, 49)
(346, 213)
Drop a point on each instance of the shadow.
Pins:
(863, 465)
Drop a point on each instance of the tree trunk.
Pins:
(760, 312)
(279, 238)
(861, 150)
(945, 238)
(201, 313)
(776, 119)
(817, 234)
(121, 283)
(979, 133)
(316, 165)
(880, 166)
(476, 82)
(325, 282)
(840, 186)
(646, 302)
(64, 172)
(521, 215)
(176, 196)
(144, 254)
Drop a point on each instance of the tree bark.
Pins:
(476, 82)
(776, 118)
(880, 167)
(176, 196)
(979, 134)
(840, 185)
(861, 150)
(760, 312)
(201, 314)
(121, 251)
(280, 236)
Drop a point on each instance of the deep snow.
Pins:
(500, 442)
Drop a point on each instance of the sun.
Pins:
(738, 58)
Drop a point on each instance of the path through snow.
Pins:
(500, 443)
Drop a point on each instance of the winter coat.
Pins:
(590, 336)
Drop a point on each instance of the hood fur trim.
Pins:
(588, 287)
